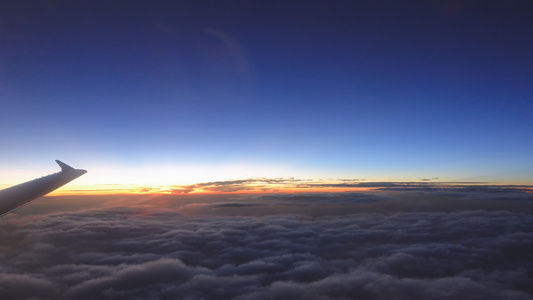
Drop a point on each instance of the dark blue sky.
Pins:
(384, 90)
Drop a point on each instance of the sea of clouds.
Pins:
(139, 253)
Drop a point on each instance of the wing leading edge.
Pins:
(21, 194)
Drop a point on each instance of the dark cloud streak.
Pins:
(282, 184)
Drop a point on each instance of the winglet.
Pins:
(64, 166)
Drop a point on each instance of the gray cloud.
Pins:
(142, 253)
(324, 199)
(237, 204)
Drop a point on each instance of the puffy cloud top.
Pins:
(136, 253)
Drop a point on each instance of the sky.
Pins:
(149, 94)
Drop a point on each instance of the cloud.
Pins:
(324, 199)
(237, 204)
(231, 186)
(136, 252)
(136, 277)
(19, 286)
(291, 184)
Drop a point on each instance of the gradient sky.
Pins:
(152, 93)
(221, 119)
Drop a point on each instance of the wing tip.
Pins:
(64, 166)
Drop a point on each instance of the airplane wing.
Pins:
(21, 194)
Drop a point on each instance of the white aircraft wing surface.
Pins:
(21, 194)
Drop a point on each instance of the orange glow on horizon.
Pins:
(261, 186)
(173, 190)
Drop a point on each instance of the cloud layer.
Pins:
(135, 253)
(276, 185)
